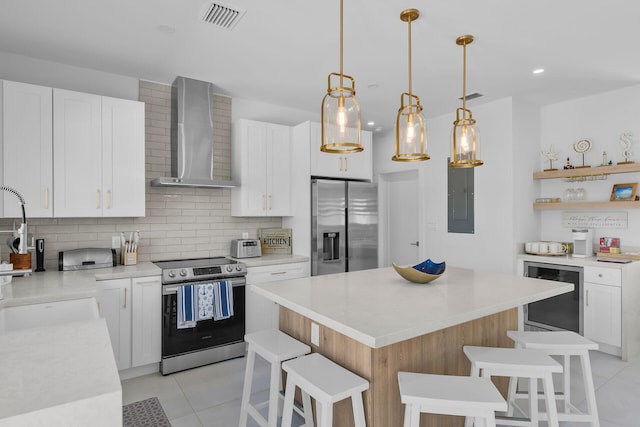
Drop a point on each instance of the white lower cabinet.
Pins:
(262, 313)
(114, 304)
(146, 343)
(603, 306)
(132, 310)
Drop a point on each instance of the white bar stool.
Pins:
(515, 362)
(449, 395)
(564, 344)
(327, 383)
(275, 347)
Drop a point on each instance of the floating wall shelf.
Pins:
(567, 206)
(585, 172)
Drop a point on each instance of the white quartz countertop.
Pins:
(575, 261)
(272, 260)
(54, 285)
(378, 308)
(63, 375)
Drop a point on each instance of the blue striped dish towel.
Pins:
(186, 316)
(222, 300)
(205, 301)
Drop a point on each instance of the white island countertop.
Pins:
(377, 307)
(62, 375)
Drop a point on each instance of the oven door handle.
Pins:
(172, 290)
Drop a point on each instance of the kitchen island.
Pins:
(375, 323)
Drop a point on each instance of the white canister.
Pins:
(543, 247)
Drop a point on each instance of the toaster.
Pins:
(245, 248)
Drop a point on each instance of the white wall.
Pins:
(47, 73)
(264, 112)
(491, 247)
(602, 119)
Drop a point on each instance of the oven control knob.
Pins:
(183, 272)
(229, 268)
(238, 268)
(171, 274)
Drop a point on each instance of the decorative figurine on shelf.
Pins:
(581, 147)
(568, 165)
(604, 159)
(625, 142)
(551, 156)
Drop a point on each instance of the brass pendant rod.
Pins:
(341, 26)
(464, 78)
(409, 26)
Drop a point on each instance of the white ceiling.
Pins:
(281, 51)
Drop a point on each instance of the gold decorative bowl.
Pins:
(413, 275)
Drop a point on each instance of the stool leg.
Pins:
(490, 419)
(246, 390)
(566, 382)
(287, 411)
(274, 394)
(308, 409)
(414, 418)
(407, 415)
(589, 389)
(475, 372)
(550, 399)
(511, 395)
(533, 401)
(325, 413)
(358, 410)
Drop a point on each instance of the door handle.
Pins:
(340, 163)
(97, 199)
(346, 164)
(270, 201)
(264, 202)
(108, 199)
(125, 298)
(46, 198)
(415, 244)
(587, 298)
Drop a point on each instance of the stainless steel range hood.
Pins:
(200, 137)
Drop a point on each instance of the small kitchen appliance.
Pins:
(86, 258)
(39, 254)
(245, 248)
(582, 242)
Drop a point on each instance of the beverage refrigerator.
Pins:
(344, 226)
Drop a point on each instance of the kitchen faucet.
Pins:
(22, 230)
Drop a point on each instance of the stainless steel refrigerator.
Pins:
(344, 226)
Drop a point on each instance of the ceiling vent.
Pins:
(221, 15)
(473, 95)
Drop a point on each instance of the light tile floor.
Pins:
(210, 396)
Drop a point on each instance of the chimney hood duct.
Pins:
(200, 137)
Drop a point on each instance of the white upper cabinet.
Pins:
(27, 149)
(122, 158)
(98, 155)
(354, 166)
(262, 167)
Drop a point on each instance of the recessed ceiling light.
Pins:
(371, 123)
(538, 71)
(166, 29)
(373, 85)
(378, 129)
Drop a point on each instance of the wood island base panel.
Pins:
(437, 352)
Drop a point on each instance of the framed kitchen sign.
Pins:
(584, 219)
(624, 191)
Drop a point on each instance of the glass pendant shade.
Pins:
(465, 139)
(340, 119)
(411, 142)
(340, 111)
(465, 148)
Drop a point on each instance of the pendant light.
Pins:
(411, 142)
(465, 138)
(341, 112)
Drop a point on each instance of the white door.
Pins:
(603, 313)
(146, 338)
(400, 227)
(278, 171)
(114, 305)
(28, 148)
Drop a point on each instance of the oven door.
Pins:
(207, 333)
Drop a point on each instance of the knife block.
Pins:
(128, 258)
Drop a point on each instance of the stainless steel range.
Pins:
(204, 341)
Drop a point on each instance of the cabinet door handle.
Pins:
(46, 198)
(346, 164)
(98, 306)
(599, 274)
(97, 199)
(587, 298)
(270, 201)
(147, 282)
(125, 298)
(276, 273)
(340, 163)
(108, 199)
(264, 202)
